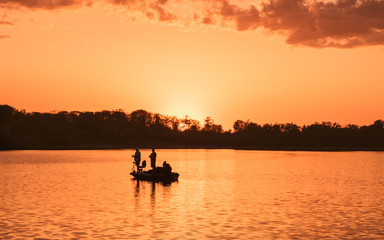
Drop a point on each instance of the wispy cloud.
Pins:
(152, 9)
(4, 36)
(340, 23)
(6, 23)
(44, 4)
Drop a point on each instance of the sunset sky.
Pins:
(266, 61)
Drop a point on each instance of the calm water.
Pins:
(221, 194)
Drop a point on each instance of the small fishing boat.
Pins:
(157, 176)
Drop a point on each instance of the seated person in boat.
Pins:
(167, 168)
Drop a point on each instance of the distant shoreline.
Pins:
(145, 146)
(119, 130)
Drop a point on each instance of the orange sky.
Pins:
(276, 61)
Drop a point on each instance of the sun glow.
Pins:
(183, 127)
(184, 109)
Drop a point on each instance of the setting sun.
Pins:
(182, 108)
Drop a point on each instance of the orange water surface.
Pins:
(221, 194)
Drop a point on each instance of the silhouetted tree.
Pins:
(21, 130)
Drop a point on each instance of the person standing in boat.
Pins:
(153, 159)
(137, 158)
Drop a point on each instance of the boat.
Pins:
(156, 176)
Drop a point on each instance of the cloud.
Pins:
(42, 4)
(152, 9)
(163, 15)
(344, 24)
(4, 36)
(313, 23)
(244, 19)
(6, 23)
(341, 24)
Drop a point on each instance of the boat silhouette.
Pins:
(159, 174)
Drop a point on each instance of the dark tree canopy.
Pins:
(21, 130)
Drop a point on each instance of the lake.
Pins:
(221, 194)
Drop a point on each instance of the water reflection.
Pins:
(141, 186)
(142, 189)
(222, 194)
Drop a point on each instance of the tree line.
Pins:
(22, 130)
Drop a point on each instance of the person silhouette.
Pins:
(153, 159)
(137, 158)
(167, 167)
